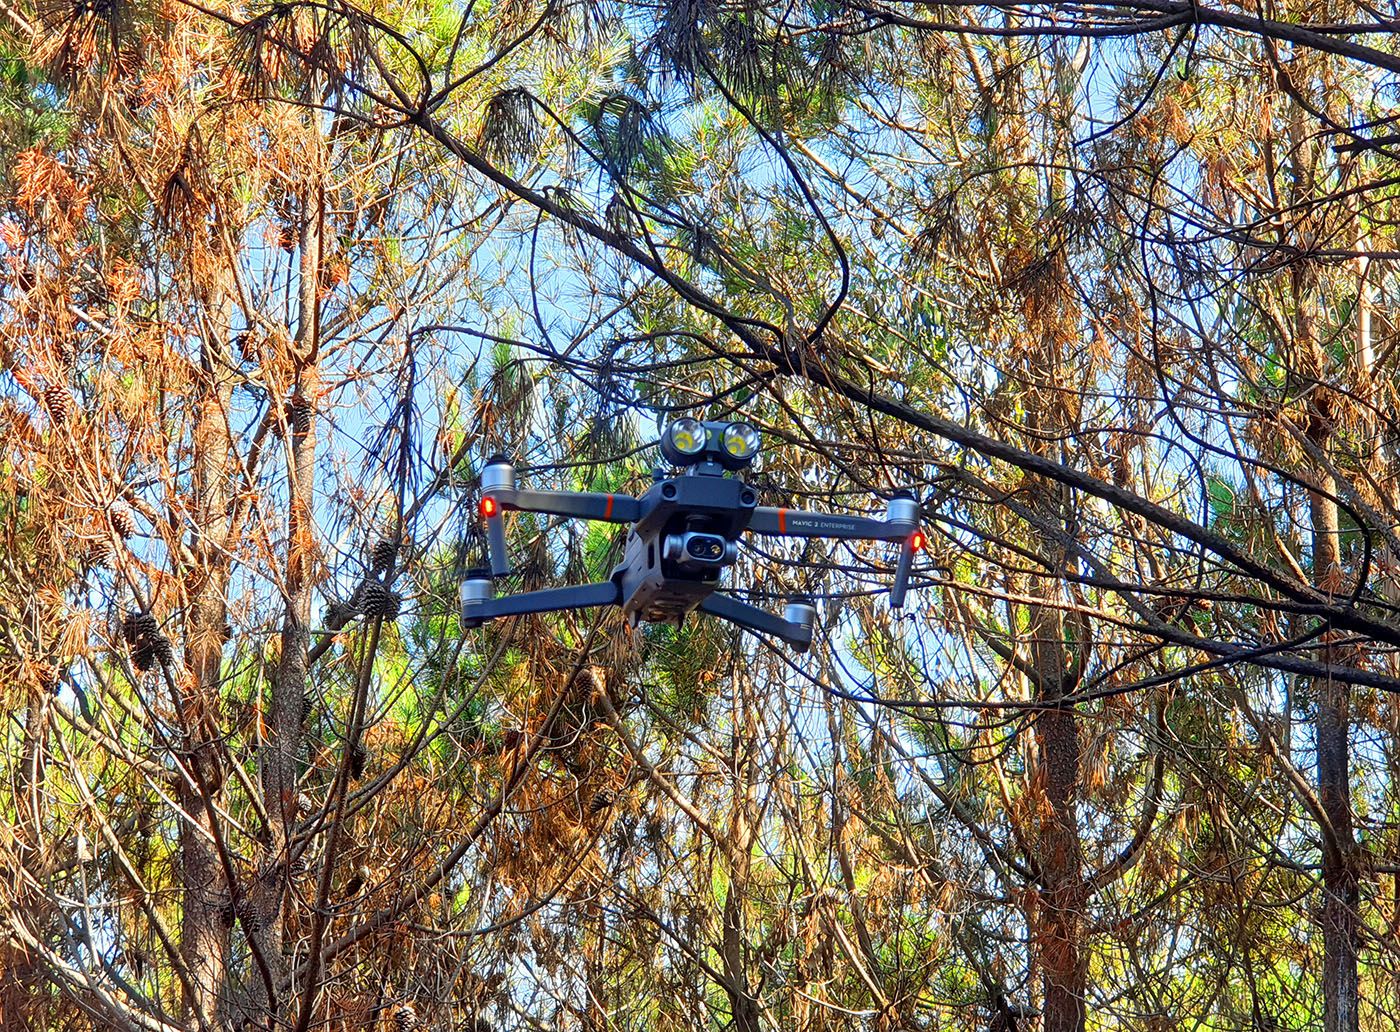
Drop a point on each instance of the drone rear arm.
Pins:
(796, 632)
(478, 605)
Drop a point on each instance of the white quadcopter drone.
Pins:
(685, 531)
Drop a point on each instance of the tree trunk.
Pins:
(204, 931)
(289, 692)
(1340, 880)
(1340, 877)
(1063, 962)
(742, 1004)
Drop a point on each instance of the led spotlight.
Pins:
(688, 435)
(740, 441)
(684, 440)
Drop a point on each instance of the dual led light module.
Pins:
(688, 442)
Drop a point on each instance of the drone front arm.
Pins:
(800, 523)
(479, 606)
(797, 633)
(498, 493)
(588, 505)
(901, 524)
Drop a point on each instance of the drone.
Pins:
(685, 532)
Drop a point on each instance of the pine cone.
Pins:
(143, 656)
(137, 625)
(161, 649)
(406, 1019)
(226, 914)
(148, 645)
(247, 344)
(385, 552)
(602, 799)
(362, 877)
(59, 402)
(380, 600)
(299, 414)
(248, 914)
(49, 678)
(99, 553)
(122, 522)
(359, 758)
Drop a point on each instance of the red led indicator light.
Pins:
(918, 541)
(489, 507)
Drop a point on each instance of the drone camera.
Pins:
(695, 550)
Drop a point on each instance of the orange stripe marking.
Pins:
(782, 521)
(607, 513)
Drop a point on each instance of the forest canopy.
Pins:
(1102, 284)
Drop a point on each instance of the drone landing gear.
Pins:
(794, 627)
(479, 604)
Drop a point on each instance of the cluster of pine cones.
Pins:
(245, 911)
(148, 646)
(373, 596)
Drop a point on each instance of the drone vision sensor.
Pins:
(685, 531)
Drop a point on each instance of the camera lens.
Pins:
(705, 547)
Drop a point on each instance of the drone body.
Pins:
(685, 532)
